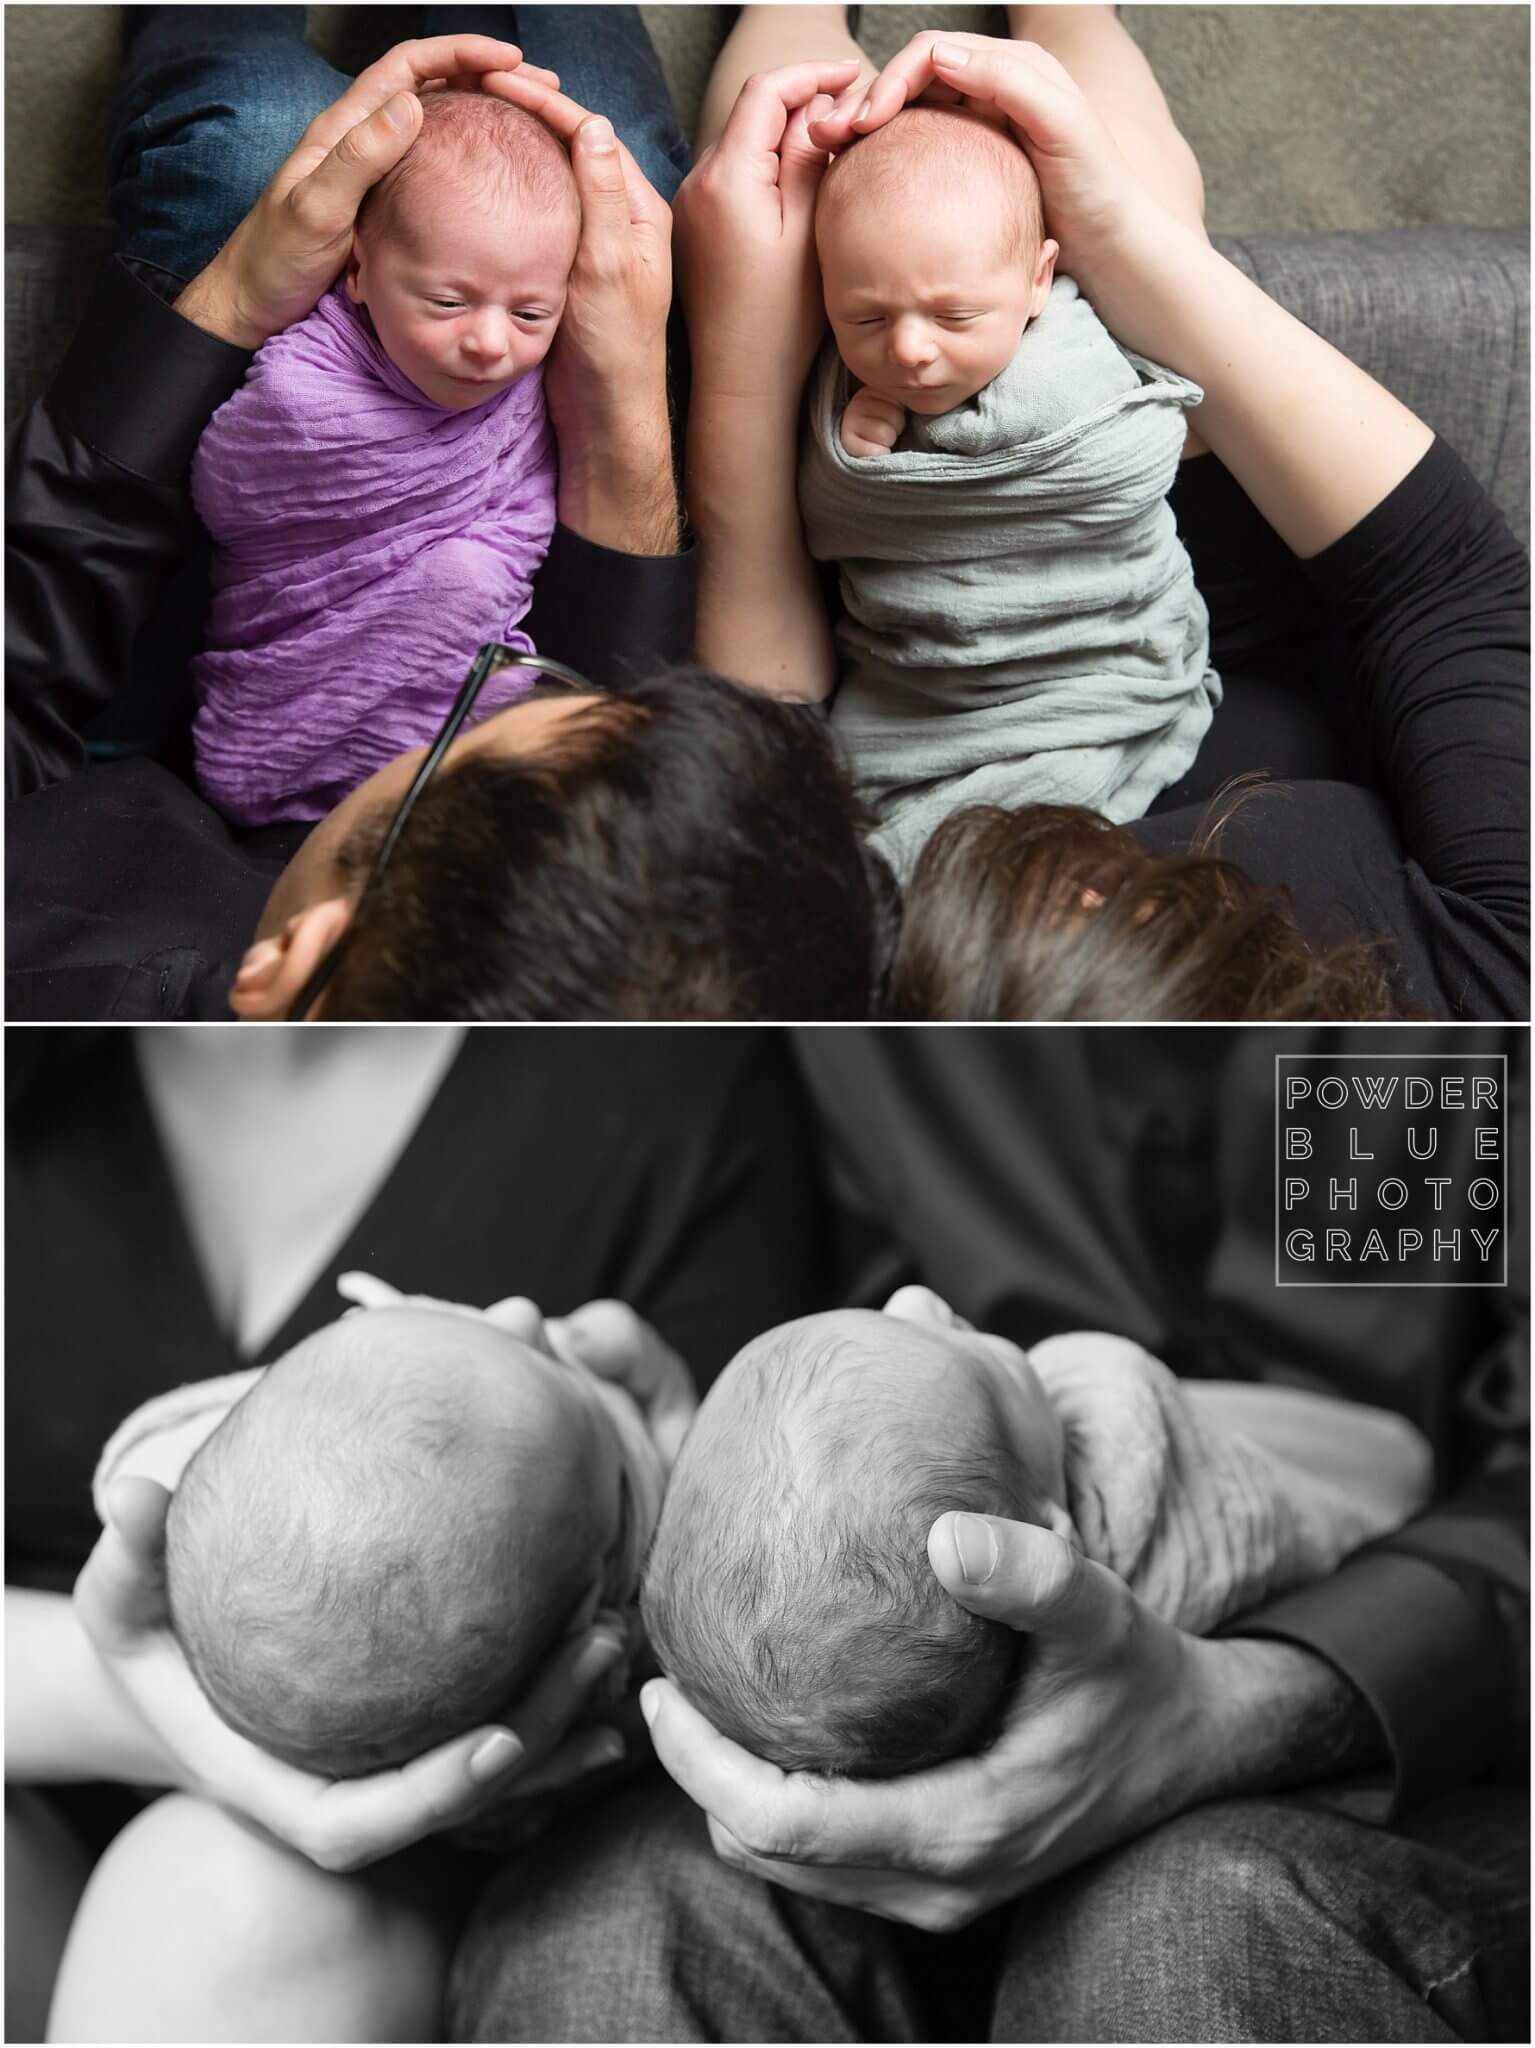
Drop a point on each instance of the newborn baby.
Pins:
(989, 470)
(374, 1544)
(382, 487)
(788, 1591)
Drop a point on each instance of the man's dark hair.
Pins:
(687, 848)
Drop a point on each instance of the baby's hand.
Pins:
(871, 426)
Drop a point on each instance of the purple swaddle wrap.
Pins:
(369, 541)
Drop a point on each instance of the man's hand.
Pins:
(871, 425)
(292, 244)
(605, 378)
(1118, 1722)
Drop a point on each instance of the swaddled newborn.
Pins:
(382, 486)
(989, 471)
(789, 1593)
(382, 1539)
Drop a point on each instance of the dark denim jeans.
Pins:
(1248, 1920)
(211, 100)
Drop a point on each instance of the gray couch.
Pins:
(1440, 315)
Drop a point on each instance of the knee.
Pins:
(189, 1913)
(1237, 1865)
(227, 121)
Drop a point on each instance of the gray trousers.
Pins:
(1250, 1920)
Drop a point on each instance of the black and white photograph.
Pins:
(778, 514)
(719, 1535)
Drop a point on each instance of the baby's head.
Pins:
(463, 252)
(933, 256)
(378, 1546)
(788, 1591)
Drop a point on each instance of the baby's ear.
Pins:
(1044, 273)
(354, 287)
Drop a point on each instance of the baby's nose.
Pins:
(488, 336)
(911, 342)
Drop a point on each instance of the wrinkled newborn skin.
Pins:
(462, 257)
(789, 1592)
(933, 262)
(382, 1542)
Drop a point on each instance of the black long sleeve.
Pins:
(97, 509)
(1432, 594)
(1381, 691)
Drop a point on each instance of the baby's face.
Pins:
(464, 300)
(928, 304)
(928, 301)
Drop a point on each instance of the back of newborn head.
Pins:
(932, 160)
(379, 1545)
(483, 148)
(788, 1591)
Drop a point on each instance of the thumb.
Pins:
(599, 170)
(122, 1588)
(338, 184)
(1026, 1577)
(800, 163)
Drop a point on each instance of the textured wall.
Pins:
(1303, 117)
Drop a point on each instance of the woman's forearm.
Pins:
(64, 1719)
(1315, 442)
(760, 616)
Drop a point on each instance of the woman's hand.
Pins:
(609, 1339)
(1093, 202)
(1119, 1721)
(745, 239)
(120, 1598)
(292, 244)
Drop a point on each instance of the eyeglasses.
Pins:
(556, 680)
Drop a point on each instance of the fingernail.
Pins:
(864, 111)
(820, 106)
(397, 111)
(650, 1703)
(600, 1654)
(597, 133)
(259, 960)
(497, 1753)
(976, 1547)
(950, 54)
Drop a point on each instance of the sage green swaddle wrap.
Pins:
(1021, 623)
